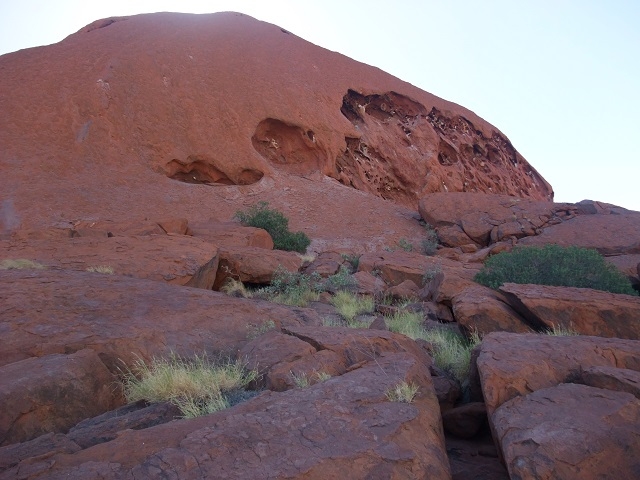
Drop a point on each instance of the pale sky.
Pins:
(560, 78)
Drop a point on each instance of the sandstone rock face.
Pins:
(512, 365)
(231, 234)
(227, 135)
(53, 393)
(483, 310)
(345, 424)
(614, 234)
(588, 311)
(177, 259)
(611, 378)
(121, 317)
(570, 432)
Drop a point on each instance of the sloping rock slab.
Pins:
(177, 259)
(588, 311)
(570, 432)
(481, 309)
(342, 428)
(611, 378)
(609, 234)
(52, 393)
(44, 312)
(512, 365)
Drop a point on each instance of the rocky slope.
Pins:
(127, 148)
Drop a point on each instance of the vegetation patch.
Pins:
(274, 222)
(255, 331)
(107, 270)
(292, 288)
(343, 280)
(554, 265)
(451, 352)
(402, 392)
(235, 288)
(196, 386)
(20, 264)
(560, 331)
(349, 306)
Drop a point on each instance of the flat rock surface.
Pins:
(612, 378)
(345, 424)
(122, 318)
(178, 259)
(570, 432)
(587, 311)
(512, 365)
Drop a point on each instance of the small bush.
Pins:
(20, 264)
(292, 288)
(560, 331)
(402, 392)
(430, 243)
(349, 306)
(353, 260)
(235, 288)
(300, 379)
(405, 245)
(274, 222)
(197, 387)
(105, 269)
(341, 281)
(554, 265)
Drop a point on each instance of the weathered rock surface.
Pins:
(151, 167)
(52, 393)
(480, 309)
(512, 365)
(121, 317)
(231, 234)
(570, 432)
(253, 265)
(177, 259)
(485, 218)
(345, 424)
(587, 311)
(615, 234)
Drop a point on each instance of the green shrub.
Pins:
(197, 387)
(292, 288)
(554, 265)
(341, 281)
(274, 222)
(430, 243)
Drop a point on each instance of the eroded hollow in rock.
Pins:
(289, 147)
(200, 170)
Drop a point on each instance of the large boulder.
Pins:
(177, 259)
(512, 365)
(482, 310)
(587, 311)
(123, 318)
(52, 393)
(345, 426)
(253, 265)
(570, 432)
(231, 234)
